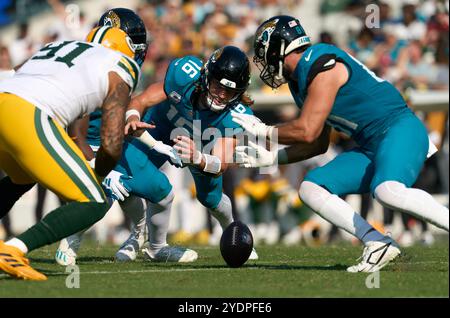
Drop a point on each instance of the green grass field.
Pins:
(280, 272)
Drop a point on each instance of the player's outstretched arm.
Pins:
(257, 155)
(303, 150)
(113, 123)
(308, 127)
(153, 95)
(318, 104)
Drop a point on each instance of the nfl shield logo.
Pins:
(175, 97)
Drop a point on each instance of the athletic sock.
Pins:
(17, 243)
(338, 212)
(134, 207)
(158, 217)
(223, 212)
(422, 205)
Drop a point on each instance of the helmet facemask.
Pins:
(221, 94)
(140, 53)
(271, 67)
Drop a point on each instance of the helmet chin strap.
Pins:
(279, 77)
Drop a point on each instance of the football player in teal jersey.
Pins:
(86, 133)
(194, 103)
(191, 110)
(333, 89)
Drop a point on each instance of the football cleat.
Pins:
(14, 263)
(66, 254)
(130, 248)
(171, 254)
(376, 255)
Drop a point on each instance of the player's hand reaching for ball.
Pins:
(135, 127)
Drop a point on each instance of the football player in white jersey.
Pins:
(62, 82)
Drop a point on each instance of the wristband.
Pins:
(132, 112)
(212, 164)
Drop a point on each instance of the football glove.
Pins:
(254, 156)
(114, 186)
(253, 125)
(168, 151)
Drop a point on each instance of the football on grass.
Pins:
(236, 244)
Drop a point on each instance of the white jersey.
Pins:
(68, 80)
(6, 74)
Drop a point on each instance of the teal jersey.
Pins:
(364, 107)
(93, 134)
(180, 109)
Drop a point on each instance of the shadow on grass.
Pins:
(336, 267)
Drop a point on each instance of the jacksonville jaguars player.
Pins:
(194, 102)
(334, 89)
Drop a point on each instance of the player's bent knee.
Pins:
(209, 200)
(310, 192)
(168, 199)
(159, 192)
(390, 193)
(100, 209)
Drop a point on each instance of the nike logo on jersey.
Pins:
(308, 57)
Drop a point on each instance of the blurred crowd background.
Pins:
(407, 44)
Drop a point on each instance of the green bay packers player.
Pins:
(64, 81)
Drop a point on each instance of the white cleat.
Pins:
(129, 250)
(66, 254)
(376, 255)
(171, 254)
(253, 255)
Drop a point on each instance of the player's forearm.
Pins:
(303, 151)
(295, 132)
(111, 133)
(152, 96)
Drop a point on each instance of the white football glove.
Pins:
(252, 125)
(168, 151)
(114, 187)
(254, 156)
